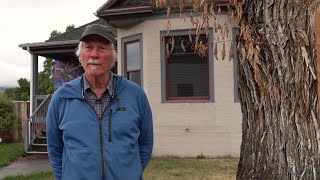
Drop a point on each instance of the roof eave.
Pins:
(55, 50)
(124, 11)
(48, 44)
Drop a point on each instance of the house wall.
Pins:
(193, 128)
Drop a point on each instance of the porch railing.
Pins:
(36, 124)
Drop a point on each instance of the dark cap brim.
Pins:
(88, 35)
(100, 30)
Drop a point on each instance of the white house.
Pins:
(194, 99)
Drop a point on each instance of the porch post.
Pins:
(33, 81)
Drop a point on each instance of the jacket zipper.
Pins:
(103, 174)
(109, 125)
(101, 150)
(100, 133)
(101, 137)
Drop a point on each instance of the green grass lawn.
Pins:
(169, 168)
(33, 176)
(9, 152)
(172, 168)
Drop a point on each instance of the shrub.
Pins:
(201, 156)
(7, 119)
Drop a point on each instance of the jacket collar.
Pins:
(74, 88)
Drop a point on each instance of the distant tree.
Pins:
(10, 93)
(21, 93)
(69, 28)
(54, 33)
(46, 78)
(46, 85)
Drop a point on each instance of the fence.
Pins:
(21, 110)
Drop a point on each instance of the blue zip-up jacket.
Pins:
(117, 147)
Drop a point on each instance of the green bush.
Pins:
(7, 119)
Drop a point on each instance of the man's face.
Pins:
(97, 56)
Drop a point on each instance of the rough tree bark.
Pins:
(278, 90)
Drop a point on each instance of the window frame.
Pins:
(164, 68)
(128, 40)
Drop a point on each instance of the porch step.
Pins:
(38, 155)
(41, 140)
(38, 147)
(44, 132)
(39, 144)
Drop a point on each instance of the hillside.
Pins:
(2, 89)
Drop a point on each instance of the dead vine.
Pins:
(199, 13)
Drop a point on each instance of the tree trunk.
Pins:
(278, 90)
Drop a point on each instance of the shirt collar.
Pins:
(86, 84)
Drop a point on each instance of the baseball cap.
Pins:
(98, 29)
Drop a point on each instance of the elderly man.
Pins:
(99, 126)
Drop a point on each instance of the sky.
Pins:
(29, 21)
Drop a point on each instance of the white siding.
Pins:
(214, 127)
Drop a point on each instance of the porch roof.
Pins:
(62, 46)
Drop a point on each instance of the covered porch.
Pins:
(66, 67)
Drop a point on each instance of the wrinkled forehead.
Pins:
(96, 38)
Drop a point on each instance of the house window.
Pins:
(132, 61)
(188, 75)
(133, 57)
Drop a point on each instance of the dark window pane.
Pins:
(185, 90)
(188, 76)
(135, 76)
(182, 44)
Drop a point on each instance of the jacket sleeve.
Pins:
(54, 138)
(146, 133)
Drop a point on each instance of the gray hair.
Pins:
(80, 46)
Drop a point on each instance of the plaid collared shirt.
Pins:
(98, 104)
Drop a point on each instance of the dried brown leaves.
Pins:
(208, 10)
(250, 51)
